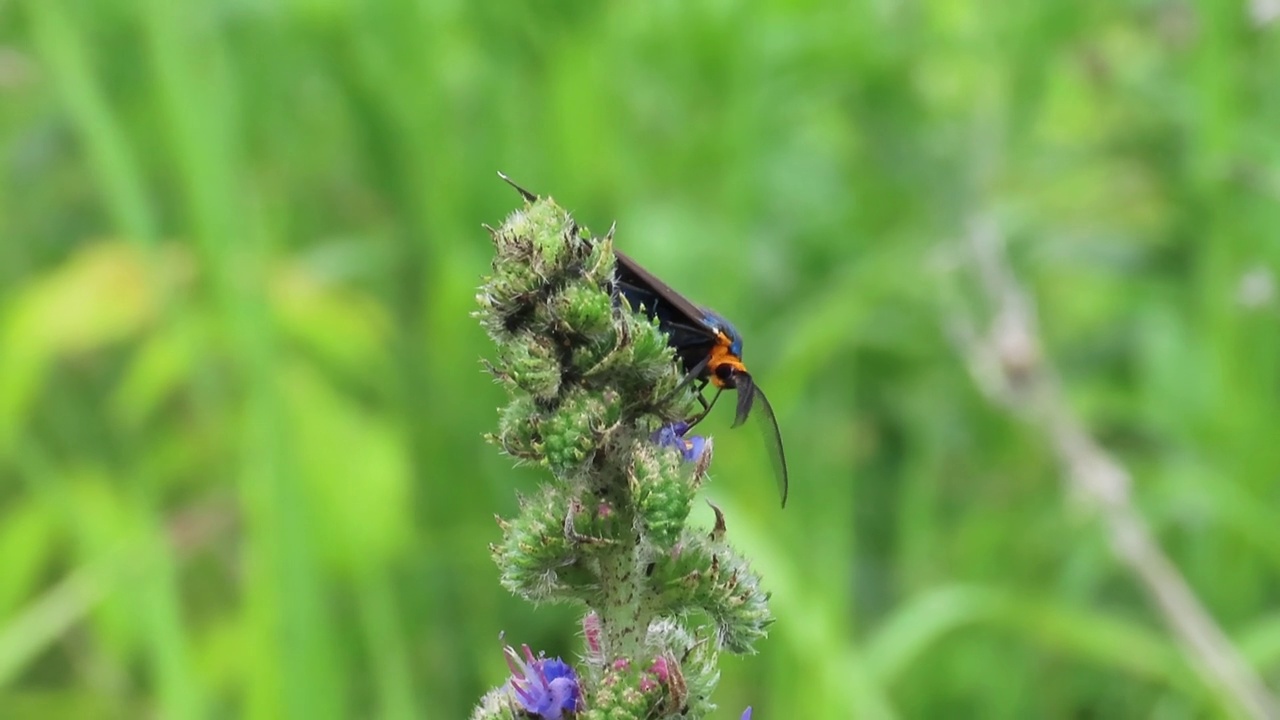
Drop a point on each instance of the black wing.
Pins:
(683, 322)
(750, 397)
(638, 283)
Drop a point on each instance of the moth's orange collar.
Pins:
(721, 356)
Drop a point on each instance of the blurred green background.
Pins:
(241, 404)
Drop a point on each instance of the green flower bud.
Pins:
(663, 494)
(530, 363)
(706, 575)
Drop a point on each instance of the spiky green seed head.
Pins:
(596, 395)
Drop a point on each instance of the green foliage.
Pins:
(242, 471)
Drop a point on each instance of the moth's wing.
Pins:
(752, 398)
(640, 287)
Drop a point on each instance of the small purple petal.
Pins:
(672, 436)
(667, 436)
(564, 695)
(694, 447)
(545, 688)
(746, 714)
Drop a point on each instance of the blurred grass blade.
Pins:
(919, 626)
(31, 631)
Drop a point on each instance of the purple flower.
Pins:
(746, 714)
(672, 436)
(544, 687)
